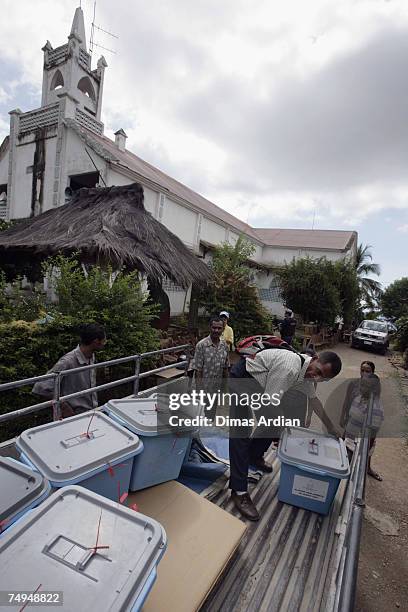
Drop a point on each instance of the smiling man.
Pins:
(273, 371)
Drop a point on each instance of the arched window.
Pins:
(86, 87)
(57, 81)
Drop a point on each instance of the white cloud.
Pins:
(403, 228)
(291, 112)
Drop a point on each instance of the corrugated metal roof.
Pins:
(303, 238)
(168, 184)
(296, 238)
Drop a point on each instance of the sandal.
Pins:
(374, 475)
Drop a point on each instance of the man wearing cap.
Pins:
(228, 332)
(288, 327)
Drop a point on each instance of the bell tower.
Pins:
(67, 70)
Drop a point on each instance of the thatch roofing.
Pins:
(106, 225)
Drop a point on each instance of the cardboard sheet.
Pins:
(201, 539)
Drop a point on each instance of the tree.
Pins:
(319, 289)
(114, 300)
(394, 300)
(346, 281)
(308, 288)
(230, 289)
(370, 289)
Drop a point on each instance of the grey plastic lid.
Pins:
(64, 453)
(20, 487)
(54, 545)
(148, 416)
(304, 447)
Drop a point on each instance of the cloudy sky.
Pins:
(285, 113)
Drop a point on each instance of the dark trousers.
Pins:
(243, 449)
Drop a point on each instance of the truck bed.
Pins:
(291, 560)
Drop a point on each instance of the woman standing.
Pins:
(355, 410)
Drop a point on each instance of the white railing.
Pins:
(41, 117)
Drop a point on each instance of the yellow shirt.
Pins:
(228, 335)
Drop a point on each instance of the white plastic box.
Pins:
(100, 554)
(96, 454)
(21, 489)
(312, 465)
(163, 449)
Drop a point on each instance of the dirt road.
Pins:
(383, 567)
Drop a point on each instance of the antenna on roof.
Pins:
(94, 27)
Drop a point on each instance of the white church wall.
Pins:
(4, 167)
(22, 181)
(77, 160)
(177, 301)
(280, 256)
(180, 220)
(275, 308)
(212, 232)
(150, 196)
(49, 173)
(150, 200)
(263, 279)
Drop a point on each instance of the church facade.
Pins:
(60, 147)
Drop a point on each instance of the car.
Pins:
(372, 334)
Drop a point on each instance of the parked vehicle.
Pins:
(372, 334)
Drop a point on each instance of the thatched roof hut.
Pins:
(109, 225)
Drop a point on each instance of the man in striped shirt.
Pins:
(272, 371)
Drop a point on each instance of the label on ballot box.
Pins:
(310, 488)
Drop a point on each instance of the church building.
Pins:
(60, 147)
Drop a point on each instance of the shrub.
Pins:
(401, 336)
(318, 289)
(394, 300)
(29, 349)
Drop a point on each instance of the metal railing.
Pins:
(57, 377)
(349, 578)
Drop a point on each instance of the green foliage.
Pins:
(370, 289)
(394, 300)
(297, 344)
(5, 224)
(5, 309)
(19, 303)
(115, 301)
(231, 289)
(401, 336)
(29, 349)
(345, 279)
(319, 289)
(307, 288)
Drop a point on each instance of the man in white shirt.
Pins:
(272, 371)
